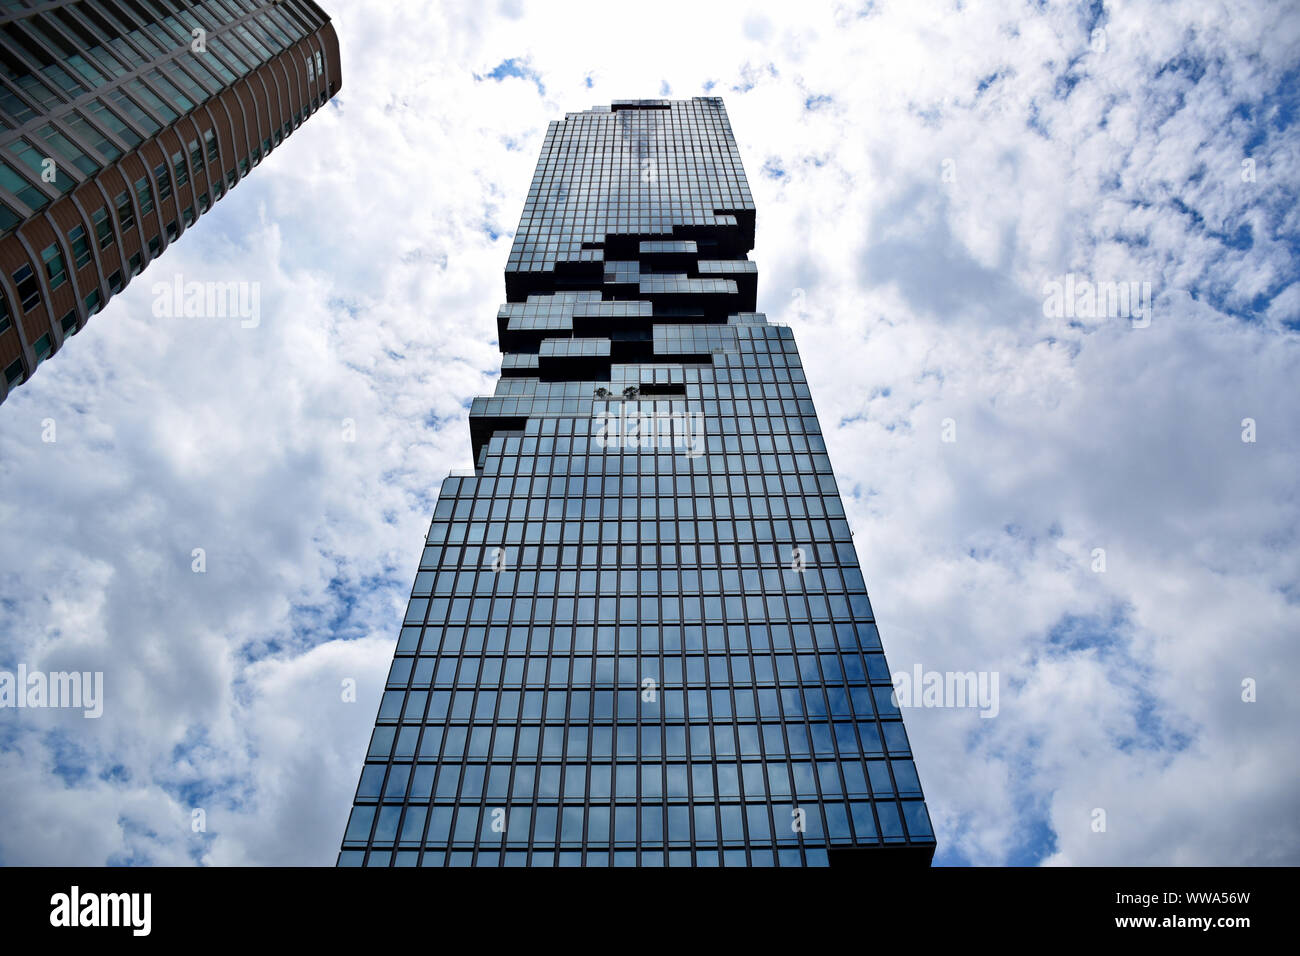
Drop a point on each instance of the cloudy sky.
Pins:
(922, 173)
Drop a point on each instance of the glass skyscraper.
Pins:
(639, 634)
(121, 123)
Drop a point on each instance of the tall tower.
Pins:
(121, 123)
(638, 633)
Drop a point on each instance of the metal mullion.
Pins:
(460, 659)
(92, 236)
(112, 17)
(37, 264)
(79, 305)
(259, 123)
(160, 21)
(16, 204)
(496, 710)
(564, 751)
(288, 20)
(424, 725)
(16, 314)
(38, 111)
(762, 742)
(312, 16)
(415, 756)
(281, 96)
(514, 749)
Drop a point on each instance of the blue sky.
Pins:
(921, 171)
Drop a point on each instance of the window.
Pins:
(170, 90)
(29, 290)
(69, 322)
(152, 99)
(188, 216)
(54, 266)
(93, 302)
(27, 194)
(80, 247)
(196, 154)
(164, 181)
(132, 111)
(103, 227)
(115, 282)
(8, 218)
(110, 122)
(88, 134)
(204, 202)
(14, 372)
(137, 263)
(145, 194)
(210, 140)
(125, 215)
(172, 231)
(197, 91)
(4, 314)
(178, 165)
(155, 246)
(58, 145)
(42, 348)
(38, 163)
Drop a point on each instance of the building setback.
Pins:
(121, 123)
(639, 634)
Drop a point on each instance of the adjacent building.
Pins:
(639, 634)
(122, 122)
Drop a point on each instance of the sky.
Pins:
(1099, 509)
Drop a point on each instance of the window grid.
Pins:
(567, 571)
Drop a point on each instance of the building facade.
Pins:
(639, 634)
(121, 123)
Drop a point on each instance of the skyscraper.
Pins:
(638, 633)
(121, 123)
